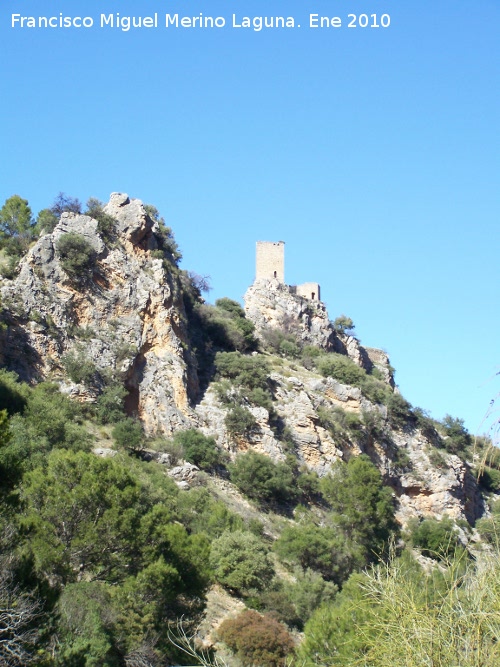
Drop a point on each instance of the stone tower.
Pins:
(270, 260)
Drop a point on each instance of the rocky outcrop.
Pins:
(380, 360)
(211, 414)
(270, 304)
(296, 403)
(127, 322)
(104, 452)
(185, 471)
(434, 490)
(404, 457)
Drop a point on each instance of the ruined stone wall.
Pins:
(309, 291)
(270, 260)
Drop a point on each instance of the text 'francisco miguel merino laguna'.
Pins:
(126, 23)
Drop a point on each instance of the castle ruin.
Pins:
(270, 265)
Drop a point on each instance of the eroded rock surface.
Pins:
(404, 457)
(270, 304)
(128, 320)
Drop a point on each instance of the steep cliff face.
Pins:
(127, 320)
(270, 304)
(302, 399)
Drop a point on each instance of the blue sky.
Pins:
(373, 152)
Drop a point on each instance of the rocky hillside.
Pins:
(126, 320)
(177, 475)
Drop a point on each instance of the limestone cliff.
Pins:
(302, 398)
(404, 456)
(270, 304)
(128, 320)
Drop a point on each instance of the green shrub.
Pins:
(128, 434)
(375, 390)
(110, 405)
(457, 438)
(223, 329)
(260, 397)
(105, 223)
(425, 423)
(240, 561)
(286, 437)
(402, 460)
(308, 484)
(246, 371)
(93, 516)
(256, 527)
(342, 424)
(8, 268)
(80, 369)
(82, 333)
(281, 342)
(83, 629)
(437, 459)
(289, 349)
(326, 418)
(248, 374)
(232, 307)
(373, 423)
(377, 374)
(52, 329)
(46, 222)
(16, 226)
(173, 449)
(239, 421)
(363, 507)
(55, 417)
(311, 351)
(257, 639)
(77, 256)
(200, 512)
(200, 449)
(125, 350)
(316, 548)
(214, 328)
(349, 420)
(164, 235)
(489, 479)
(436, 539)
(260, 479)
(398, 411)
(309, 355)
(13, 394)
(341, 368)
(293, 602)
